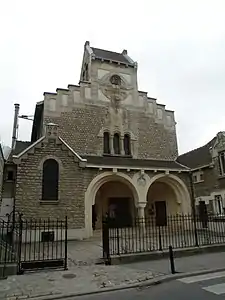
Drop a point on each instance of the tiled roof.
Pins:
(109, 55)
(130, 162)
(197, 157)
(20, 146)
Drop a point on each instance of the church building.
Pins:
(99, 147)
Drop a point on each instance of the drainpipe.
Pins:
(15, 125)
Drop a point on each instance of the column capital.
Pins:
(141, 204)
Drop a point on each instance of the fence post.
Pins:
(6, 250)
(160, 240)
(118, 240)
(193, 208)
(19, 270)
(66, 241)
(105, 240)
(171, 260)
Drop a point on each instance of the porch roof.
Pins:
(120, 161)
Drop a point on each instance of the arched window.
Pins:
(106, 148)
(126, 144)
(50, 180)
(116, 143)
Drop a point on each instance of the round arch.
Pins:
(95, 185)
(178, 186)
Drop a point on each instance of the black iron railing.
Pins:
(34, 244)
(178, 231)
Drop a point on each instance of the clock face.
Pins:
(115, 79)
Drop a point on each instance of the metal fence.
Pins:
(179, 231)
(34, 244)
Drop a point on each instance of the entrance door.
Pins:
(120, 211)
(203, 215)
(160, 211)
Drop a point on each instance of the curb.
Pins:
(148, 283)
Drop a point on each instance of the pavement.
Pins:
(85, 277)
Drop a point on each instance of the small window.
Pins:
(198, 177)
(50, 180)
(127, 148)
(106, 149)
(222, 163)
(47, 236)
(116, 143)
(10, 175)
(115, 79)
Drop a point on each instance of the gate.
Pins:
(34, 243)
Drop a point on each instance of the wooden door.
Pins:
(160, 211)
(120, 211)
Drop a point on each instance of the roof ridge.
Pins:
(193, 150)
(106, 50)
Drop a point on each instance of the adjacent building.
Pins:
(208, 166)
(100, 147)
(1, 171)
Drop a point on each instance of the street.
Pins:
(204, 287)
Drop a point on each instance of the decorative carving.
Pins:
(115, 89)
(141, 180)
(115, 79)
(220, 145)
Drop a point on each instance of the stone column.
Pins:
(111, 144)
(141, 216)
(141, 211)
(121, 146)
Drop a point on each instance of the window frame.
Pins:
(106, 134)
(197, 176)
(48, 194)
(127, 136)
(117, 136)
(221, 156)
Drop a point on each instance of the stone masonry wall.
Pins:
(211, 182)
(71, 187)
(81, 126)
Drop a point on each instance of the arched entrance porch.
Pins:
(167, 195)
(110, 192)
(116, 199)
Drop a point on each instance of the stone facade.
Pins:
(71, 186)
(84, 112)
(208, 173)
(70, 129)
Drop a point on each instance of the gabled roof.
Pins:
(20, 147)
(24, 147)
(198, 157)
(131, 162)
(110, 55)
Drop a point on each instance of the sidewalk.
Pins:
(193, 263)
(78, 279)
(92, 278)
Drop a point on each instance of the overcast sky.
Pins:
(179, 46)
